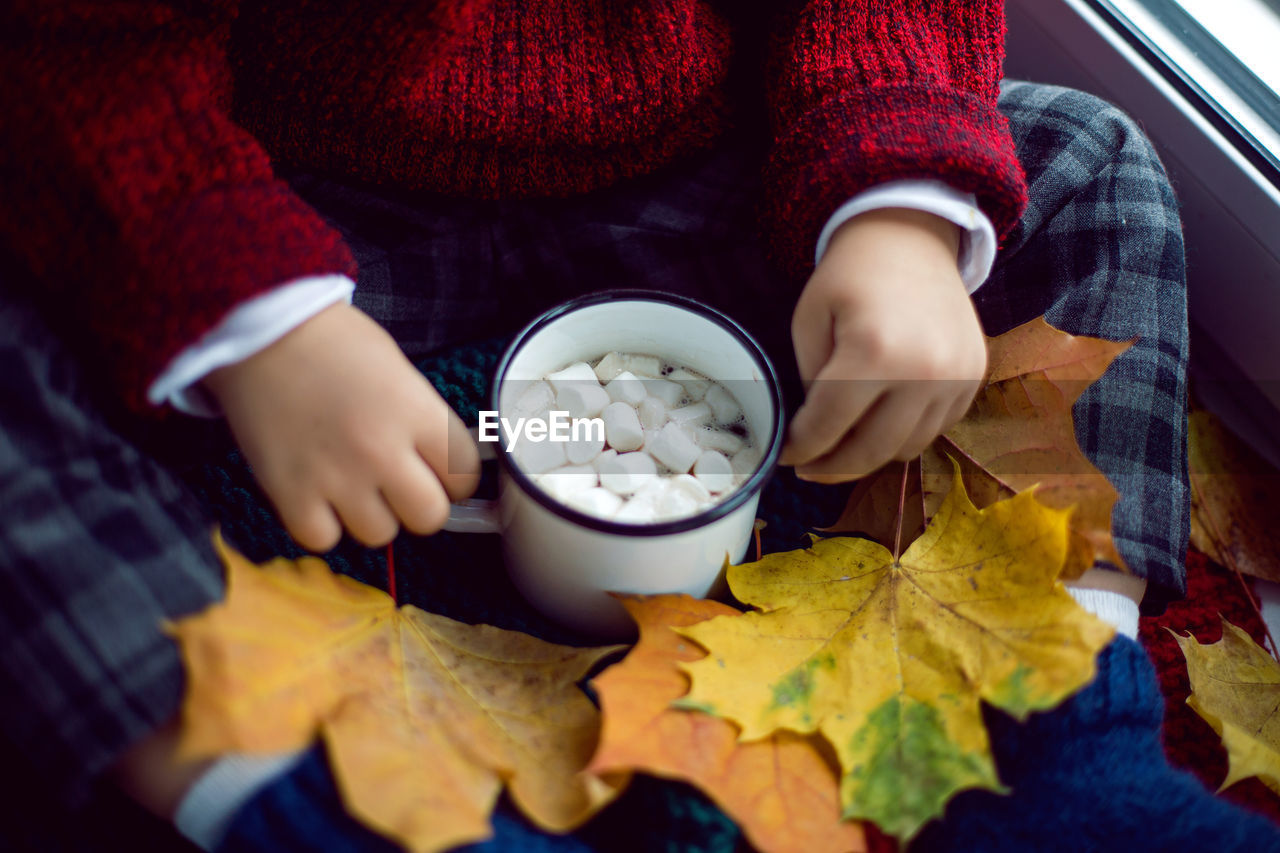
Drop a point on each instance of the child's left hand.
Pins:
(888, 344)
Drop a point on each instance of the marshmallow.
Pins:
(652, 412)
(563, 483)
(676, 503)
(626, 388)
(698, 413)
(723, 406)
(580, 399)
(745, 462)
(615, 363)
(714, 471)
(673, 448)
(599, 502)
(695, 385)
(638, 511)
(670, 393)
(538, 457)
(626, 473)
(718, 439)
(609, 367)
(578, 373)
(589, 445)
(609, 453)
(535, 401)
(692, 487)
(649, 436)
(643, 365)
(642, 507)
(622, 427)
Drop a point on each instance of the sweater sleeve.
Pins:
(142, 210)
(868, 91)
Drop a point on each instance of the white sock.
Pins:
(205, 813)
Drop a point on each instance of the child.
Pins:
(482, 160)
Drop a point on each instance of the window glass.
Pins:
(1249, 29)
(1224, 55)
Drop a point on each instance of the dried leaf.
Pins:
(781, 790)
(872, 508)
(889, 660)
(1019, 433)
(1235, 500)
(1235, 687)
(424, 718)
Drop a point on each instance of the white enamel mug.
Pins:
(566, 562)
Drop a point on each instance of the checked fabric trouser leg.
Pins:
(98, 543)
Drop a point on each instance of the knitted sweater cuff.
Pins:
(856, 139)
(204, 256)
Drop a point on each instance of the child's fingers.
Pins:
(831, 407)
(960, 407)
(416, 497)
(311, 522)
(366, 515)
(876, 439)
(451, 452)
(812, 338)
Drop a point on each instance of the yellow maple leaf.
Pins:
(424, 718)
(888, 660)
(1235, 687)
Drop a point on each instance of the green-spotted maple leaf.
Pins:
(889, 659)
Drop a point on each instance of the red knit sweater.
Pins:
(138, 136)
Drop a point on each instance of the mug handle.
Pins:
(475, 515)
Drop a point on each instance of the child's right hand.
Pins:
(342, 431)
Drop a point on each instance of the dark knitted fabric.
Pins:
(303, 811)
(1091, 775)
(137, 138)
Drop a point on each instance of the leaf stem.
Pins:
(902, 506)
(924, 504)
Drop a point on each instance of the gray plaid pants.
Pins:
(99, 543)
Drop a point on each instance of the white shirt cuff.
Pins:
(248, 328)
(977, 238)
(1111, 596)
(210, 805)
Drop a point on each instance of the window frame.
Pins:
(1219, 60)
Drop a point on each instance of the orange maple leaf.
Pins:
(782, 791)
